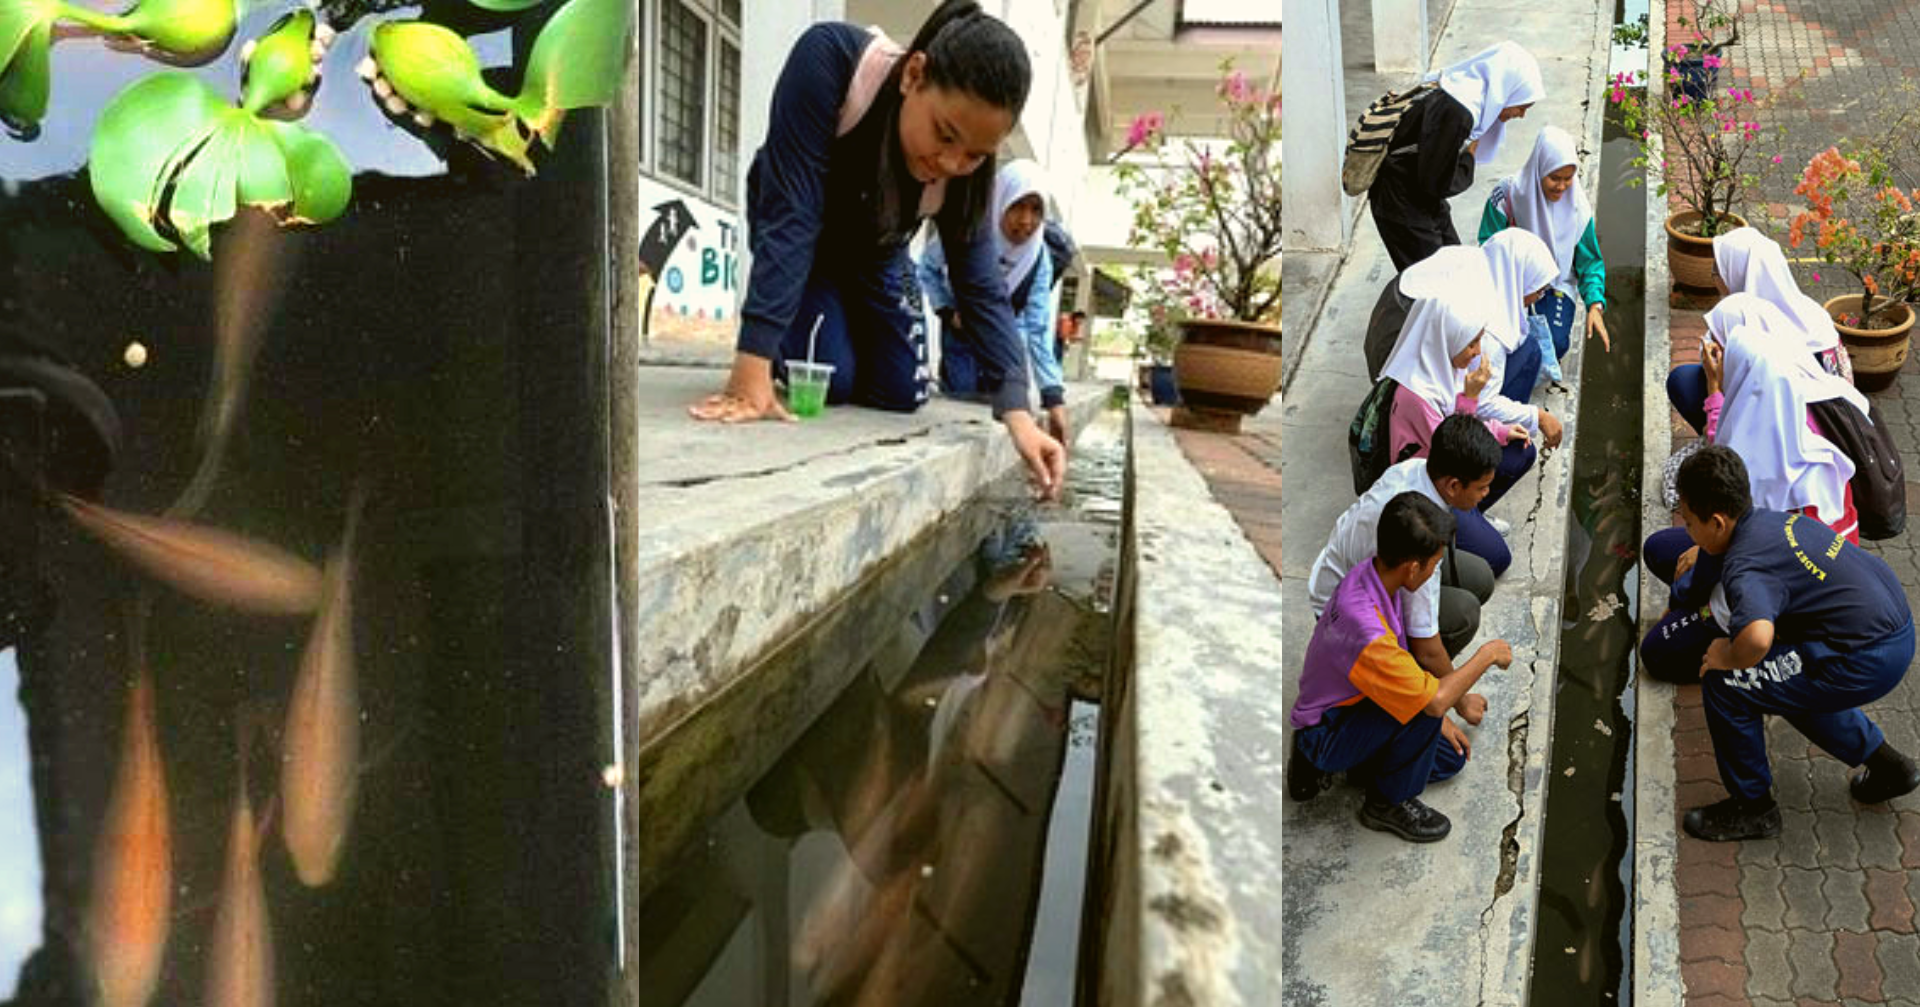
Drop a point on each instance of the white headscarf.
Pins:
(1760, 317)
(1560, 224)
(1753, 263)
(1519, 264)
(1016, 180)
(1765, 422)
(1487, 84)
(1453, 300)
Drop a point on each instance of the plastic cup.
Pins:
(807, 387)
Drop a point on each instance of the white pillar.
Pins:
(1400, 41)
(1315, 117)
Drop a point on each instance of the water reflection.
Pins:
(19, 850)
(894, 854)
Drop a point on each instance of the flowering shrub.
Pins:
(1712, 144)
(1861, 221)
(1213, 209)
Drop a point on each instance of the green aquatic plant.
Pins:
(186, 29)
(170, 151)
(575, 63)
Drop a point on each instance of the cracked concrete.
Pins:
(1472, 942)
(747, 530)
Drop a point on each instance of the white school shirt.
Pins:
(1354, 541)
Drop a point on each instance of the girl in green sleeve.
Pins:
(1543, 199)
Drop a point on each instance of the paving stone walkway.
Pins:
(1243, 471)
(1825, 914)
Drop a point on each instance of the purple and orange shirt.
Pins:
(1359, 650)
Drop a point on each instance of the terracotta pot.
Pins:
(1690, 259)
(1224, 367)
(1877, 354)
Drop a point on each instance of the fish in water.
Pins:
(207, 563)
(320, 753)
(127, 914)
(240, 952)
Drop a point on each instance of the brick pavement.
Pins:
(1243, 471)
(1825, 914)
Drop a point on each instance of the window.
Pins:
(726, 126)
(683, 92)
(693, 67)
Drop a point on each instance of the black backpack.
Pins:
(1879, 478)
(1367, 141)
(1383, 326)
(1369, 445)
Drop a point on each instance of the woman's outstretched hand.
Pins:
(749, 395)
(1597, 326)
(1046, 459)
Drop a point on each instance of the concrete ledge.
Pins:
(1196, 770)
(745, 531)
(1656, 975)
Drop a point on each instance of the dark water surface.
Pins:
(924, 840)
(1585, 938)
(441, 350)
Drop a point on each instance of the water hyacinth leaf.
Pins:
(190, 28)
(575, 63)
(263, 180)
(507, 6)
(19, 19)
(282, 63)
(319, 174)
(141, 136)
(26, 82)
(434, 69)
(204, 191)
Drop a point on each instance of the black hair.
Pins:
(1079, 316)
(971, 51)
(1714, 481)
(1463, 448)
(1412, 527)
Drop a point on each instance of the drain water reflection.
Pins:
(924, 841)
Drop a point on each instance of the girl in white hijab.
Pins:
(1442, 137)
(1687, 387)
(1522, 270)
(1744, 260)
(1454, 307)
(1790, 465)
(1545, 199)
(1019, 242)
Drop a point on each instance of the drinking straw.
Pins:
(815, 334)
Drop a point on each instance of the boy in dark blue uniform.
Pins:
(1817, 628)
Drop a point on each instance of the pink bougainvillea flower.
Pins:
(1776, 159)
(1144, 127)
(1816, 277)
(1711, 62)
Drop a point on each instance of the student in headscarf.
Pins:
(1759, 389)
(1687, 383)
(866, 141)
(1439, 141)
(1544, 199)
(1523, 271)
(1442, 336)
(1744, 260)
(1018, 214)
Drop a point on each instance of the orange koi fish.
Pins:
(207, 563)
(127, 916)
(320, 752)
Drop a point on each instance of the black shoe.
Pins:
(1885, 775)
(1305, 781)
(1734, 819)
(1410, 820)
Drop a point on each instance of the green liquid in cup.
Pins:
(807, 398)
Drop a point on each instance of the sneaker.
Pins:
(1410, 820)
(1305, 781)
(1885, 775)
(1734, 819)
(1501, 526)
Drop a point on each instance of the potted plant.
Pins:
(1213, 209)
(1860, 221)
(1695, 55)
(1160, 317)
(1712, 157)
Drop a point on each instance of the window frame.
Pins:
(719, 31)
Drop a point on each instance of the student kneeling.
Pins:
(1815, 629)
(1365, 705)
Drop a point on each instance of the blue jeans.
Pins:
(1817, 689)
(871, 331)
(1396, 761)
